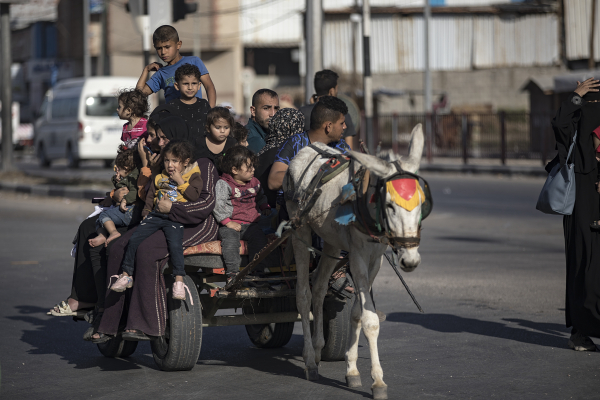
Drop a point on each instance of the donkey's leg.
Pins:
(303, 299)
(352, 374)
(370, 322)
(320, 283)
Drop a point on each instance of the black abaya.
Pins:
(582, 245)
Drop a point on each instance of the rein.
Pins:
(378, 228)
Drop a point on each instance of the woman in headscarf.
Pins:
(146, 315)
(88, 285)
(285, 123)
(581, 113)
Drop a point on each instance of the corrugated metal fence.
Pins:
(474, 135)
(460, 42)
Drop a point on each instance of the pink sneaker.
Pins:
(179, 289)
(123, 282)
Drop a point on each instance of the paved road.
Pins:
(491, 283)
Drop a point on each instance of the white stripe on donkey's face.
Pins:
(365, 256)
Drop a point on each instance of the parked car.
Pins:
(78, 120)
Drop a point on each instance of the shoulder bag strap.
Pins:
(571, 148)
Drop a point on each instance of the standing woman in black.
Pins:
(581, 113)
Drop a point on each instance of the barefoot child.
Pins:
(238, 198)
(180, 181)
(218, 139)
(133, 104)
(110, 219)
(167, 44)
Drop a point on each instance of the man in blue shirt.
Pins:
(167, 45)
(265, 103)
(327, 124)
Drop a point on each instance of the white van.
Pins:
(78, 120)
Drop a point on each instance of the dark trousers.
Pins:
(173, 233)
(230, 245)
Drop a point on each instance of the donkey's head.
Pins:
(403, 199)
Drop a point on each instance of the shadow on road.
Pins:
(61, 336)
(538, 333)
(283, 361)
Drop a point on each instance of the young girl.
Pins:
(238, 198)
(109, 219)
(180, 181)
(133, 104)
(218, 138)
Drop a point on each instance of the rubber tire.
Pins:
(271, 336)
(117, 348)
(179, 349)
(42, 157)
(72, 162)
(336, 328)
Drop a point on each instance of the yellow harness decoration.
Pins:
(403, 191)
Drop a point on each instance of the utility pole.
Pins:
(314, 47)
(367, 80)
(87, 61)
(6, 85)
(427, 81)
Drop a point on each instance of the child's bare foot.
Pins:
(97, 241)
(112, 237)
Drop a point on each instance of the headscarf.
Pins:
(175, 128)
(285, 123)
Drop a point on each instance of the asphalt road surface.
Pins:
(491, 283)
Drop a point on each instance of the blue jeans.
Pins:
(115, 215)
(173, 233)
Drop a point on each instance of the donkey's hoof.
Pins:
(312, 374)
(353, 381)
(379, 392)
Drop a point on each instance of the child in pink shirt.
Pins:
(133, 105)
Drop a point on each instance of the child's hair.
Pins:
(126, 158)
(187, 70)
(236, 157)
(217, 113)
(165, 33)
(135, 100)
(180, 149)
(240, 133)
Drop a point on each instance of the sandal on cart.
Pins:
(103, 338)
(179, 289)
(64, 310)
(135, 336)
(93, 317)
(123, 283)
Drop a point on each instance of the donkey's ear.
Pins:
(415, 150)
(379, 167)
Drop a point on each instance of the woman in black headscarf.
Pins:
(285, 123)
(581, 113)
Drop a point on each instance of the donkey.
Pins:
(365, 254)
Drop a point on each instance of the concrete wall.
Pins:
(500, 88)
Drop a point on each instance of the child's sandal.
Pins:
(123, 282)
(179, 289)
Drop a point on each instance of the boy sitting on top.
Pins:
(167, 44)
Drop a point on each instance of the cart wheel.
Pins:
(117, 348)
(336, 327)
(270, 336)
(179, 349)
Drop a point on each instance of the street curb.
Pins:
(52, 190)
(485, 169)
